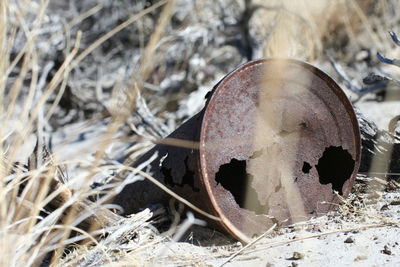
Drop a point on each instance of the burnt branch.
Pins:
(380, 155)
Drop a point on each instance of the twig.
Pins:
(351, 85)
(319, 235)
(248, 245)
(387, 60)
(386, 221)
(189, 222)
(84, 15)
(394, 38)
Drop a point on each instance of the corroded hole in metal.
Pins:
(306, 167)
(186, 179)
(335, 167)
(234, 178)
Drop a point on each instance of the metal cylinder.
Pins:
(274, 141)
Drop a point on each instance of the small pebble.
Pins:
(385, 207)
(360, 258)
(296, 256)
(362, 55)
(386, 250)
(349, 240)
(395, 203)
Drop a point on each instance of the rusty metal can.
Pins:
(274, 141)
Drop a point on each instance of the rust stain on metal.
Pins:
(276, 138)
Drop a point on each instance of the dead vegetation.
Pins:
(97, 82)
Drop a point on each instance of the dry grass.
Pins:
(33, 219)
(38, 213)
(28, 231)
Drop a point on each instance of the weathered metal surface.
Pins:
(276, 137)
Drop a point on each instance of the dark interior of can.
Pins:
(188, 177)
(334, 167)
(233, 177)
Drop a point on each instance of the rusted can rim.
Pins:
(221, 88)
